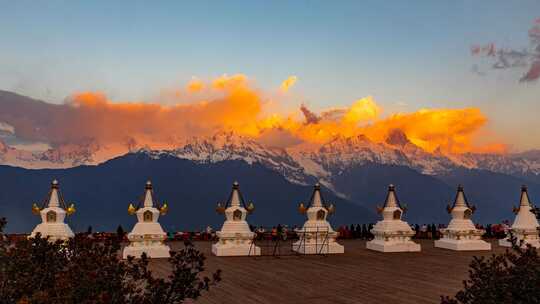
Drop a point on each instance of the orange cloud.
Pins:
(231, 103)
(195, 85)
(287, 84)
(450, 130)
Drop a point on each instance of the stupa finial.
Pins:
(391, 199)
(54, 200)
(461, 200)
(524, 199)
(148, 200)
(316, 201)
(235, 195)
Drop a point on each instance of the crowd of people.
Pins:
(424, 231)
(353, 231)
(284, 232)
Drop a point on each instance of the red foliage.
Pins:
(87, 270)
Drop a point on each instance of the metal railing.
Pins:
(291, 243)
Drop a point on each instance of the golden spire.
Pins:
(71, 209)
(331, 209)
(250, 207)
(301, 208)
(220, 209)
(131, 209)
(35, 209)
(164, 209)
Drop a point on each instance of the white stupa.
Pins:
(461, 234)
(235, 237)
(525, 226)
(147, 235)
(317, 236)
(53, 216)
(392, 234)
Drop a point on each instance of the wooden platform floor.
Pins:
(358, 276)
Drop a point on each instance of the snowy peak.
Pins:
(304, 163)
(343, 152)
(223, 146)
(63, 156)
(76, 154)
(229, 146)
(514, 164)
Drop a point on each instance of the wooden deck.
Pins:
(358, 276)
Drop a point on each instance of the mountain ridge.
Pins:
(349, 167)
(299, 163)
(102, 193)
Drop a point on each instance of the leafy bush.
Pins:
(512, 277)
(83, 270)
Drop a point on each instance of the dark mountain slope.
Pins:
(102, 193)
(493, 193)
(425, 196)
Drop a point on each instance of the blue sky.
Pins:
(401, 52)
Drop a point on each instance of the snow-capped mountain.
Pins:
(342, 153)
(65, 156)
(301, 164)
(524, 163)
(34, 160)
(229, 146)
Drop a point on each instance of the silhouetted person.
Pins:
(434, 232)
(488, 231)
(120, 232)
(364, 232)
(274, 233)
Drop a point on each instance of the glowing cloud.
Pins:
(231, 103)
(287, 84)
(195, 85)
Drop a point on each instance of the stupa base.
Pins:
(246, 249)
(58, 231)
(462, 245)
(506, 243)
(152, 251)
(393, 246)
(332, 248)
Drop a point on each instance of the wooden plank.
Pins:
(358, 276)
